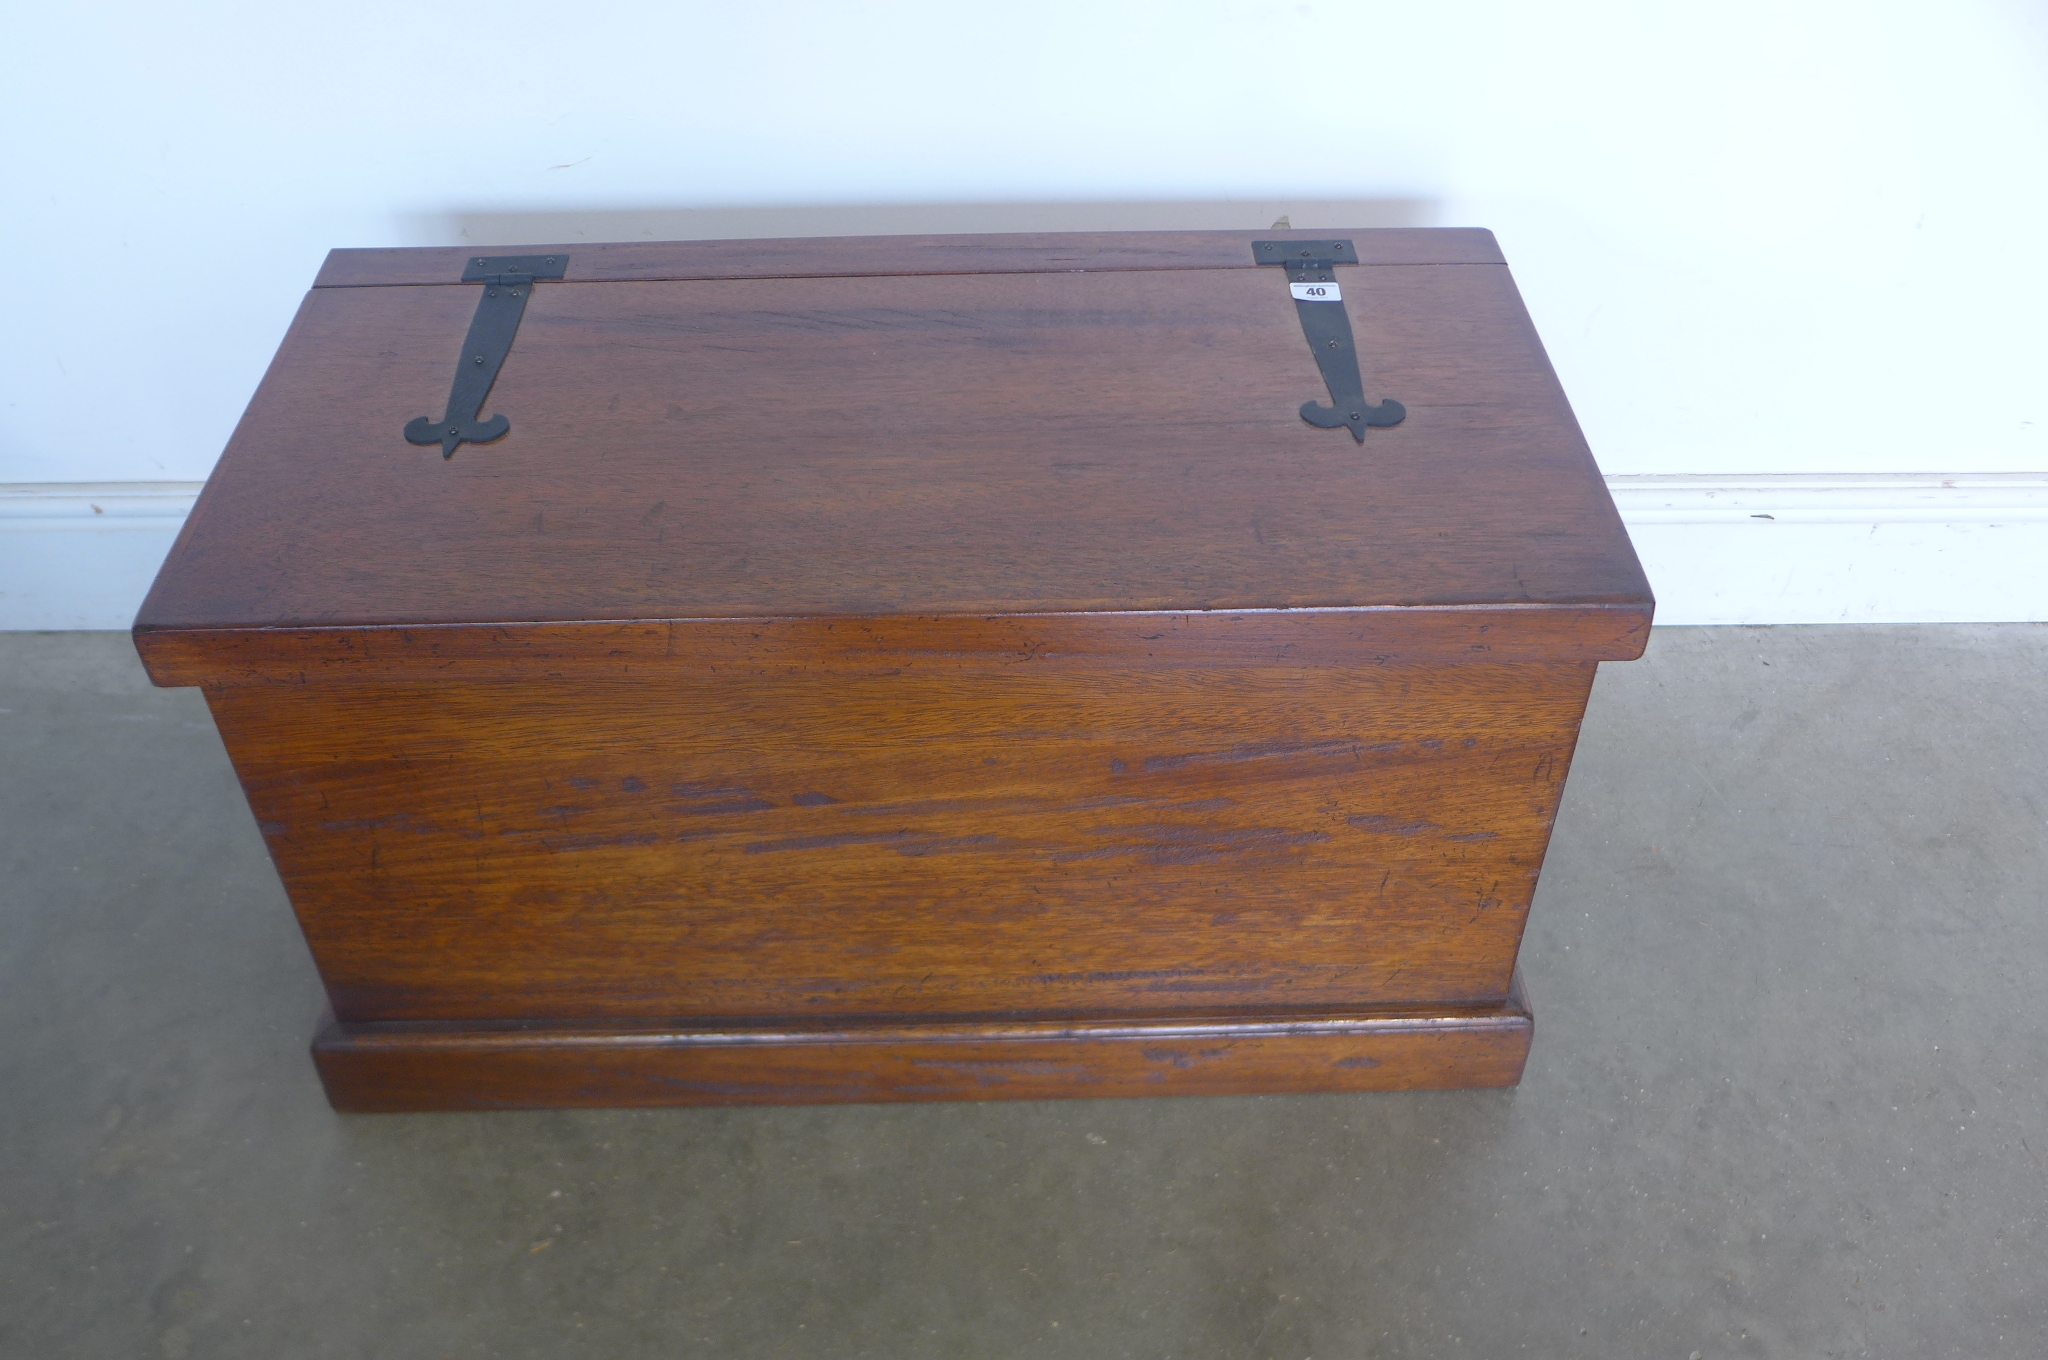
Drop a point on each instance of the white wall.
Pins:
(1798, 237)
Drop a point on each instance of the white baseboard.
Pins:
(1842, 548)
(82, 554)
(1758, 549)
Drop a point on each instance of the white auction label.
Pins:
(1315, 292)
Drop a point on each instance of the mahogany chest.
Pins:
(906, 668)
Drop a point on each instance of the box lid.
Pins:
(891, 450)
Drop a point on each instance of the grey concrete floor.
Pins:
(1789, 1095)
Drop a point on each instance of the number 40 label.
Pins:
(1315, 292)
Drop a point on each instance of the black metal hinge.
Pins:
(507, 279)
(1319, 302)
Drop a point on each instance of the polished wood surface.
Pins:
(955, 672)
(939, 447)
(1018, 843)
(374, 1068)
(943, 644)
(850, 256)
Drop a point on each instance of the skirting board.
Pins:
(1841, 548)
(78, 555)
(1721, 548)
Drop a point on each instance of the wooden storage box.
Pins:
(904, 668)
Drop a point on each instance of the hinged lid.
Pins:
(903, 451)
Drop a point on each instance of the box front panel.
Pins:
(997, 843)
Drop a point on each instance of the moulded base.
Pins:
(396, 1066)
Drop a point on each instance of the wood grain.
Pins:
(391, 1067)
(959, 446)
(947, 644)
(849, 256)
(1016, 844)
(906, 668)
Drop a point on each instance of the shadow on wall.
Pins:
(554, 226)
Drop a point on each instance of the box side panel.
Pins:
(1009, 843)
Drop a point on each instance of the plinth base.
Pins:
(379, 1067)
